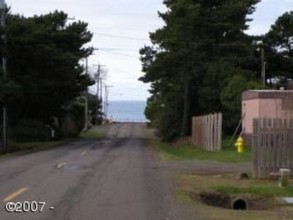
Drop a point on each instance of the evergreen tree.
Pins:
(43, 54)
(193, 58)
(278, 44)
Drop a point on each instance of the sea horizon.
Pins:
(127, 110)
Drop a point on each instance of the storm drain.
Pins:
(239, 204)
(224, 200)
(233, 201)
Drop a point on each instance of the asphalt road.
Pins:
(115, 178)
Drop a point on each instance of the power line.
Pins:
(120, 54)
(121, 37)
(121, 71)
(120, 49)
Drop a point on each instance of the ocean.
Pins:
(127, 111)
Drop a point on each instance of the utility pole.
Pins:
(263, 66)
(101, 92)
(106, 102)
(98, 82)
(86, 99)
(98, 91)
(4, 110)
(186, 110)
(186, 119)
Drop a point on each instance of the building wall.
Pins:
(250, 110)
(265, 104)
(287, 106)
(270, 108)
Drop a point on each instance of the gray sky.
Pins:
(111, 21)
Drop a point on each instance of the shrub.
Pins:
(27, 130)
(73, 122)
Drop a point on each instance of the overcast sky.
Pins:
(121, 28)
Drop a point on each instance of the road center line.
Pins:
(84, 153)
(60, 165)
(15, 194)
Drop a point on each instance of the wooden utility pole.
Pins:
(4, 70)
(263, 67)
(98, 81)
(86, 99)
(101, 92)
(186, 110)
(106, 102)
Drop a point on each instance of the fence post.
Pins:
(255, 143)
(193, 129)
(220, 120)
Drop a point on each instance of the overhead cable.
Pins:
(121, 37)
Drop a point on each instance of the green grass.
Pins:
(25, 146)
(189, 152)
(28, 146)
(262, 190)
(90, 134)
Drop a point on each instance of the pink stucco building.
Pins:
(265, 104)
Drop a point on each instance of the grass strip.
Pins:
(90, 134)
(264, 190)
(189, 152)
(27, 146)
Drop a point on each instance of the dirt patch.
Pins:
(235, 202)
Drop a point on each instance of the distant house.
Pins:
(265, 104)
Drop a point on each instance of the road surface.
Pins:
(114, 178)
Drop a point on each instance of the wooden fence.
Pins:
(272, 146)
(207, 131)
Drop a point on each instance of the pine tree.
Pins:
(193, 57)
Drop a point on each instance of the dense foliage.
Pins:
(95, 109)
(44, 74)
(278, 43)
(201, 61)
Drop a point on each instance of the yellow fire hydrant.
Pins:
(239, 145)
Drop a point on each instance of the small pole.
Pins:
(236, 130)
(101, 93)
(5, 147)
(285, 177)
(106, 101)
(263, 67)
(98, 91)
(86, 99)
(98, 81)
(4, 70)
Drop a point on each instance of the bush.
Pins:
(27, 130)
(73, 122)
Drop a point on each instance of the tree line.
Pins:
(201, 61)
(44, 72)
